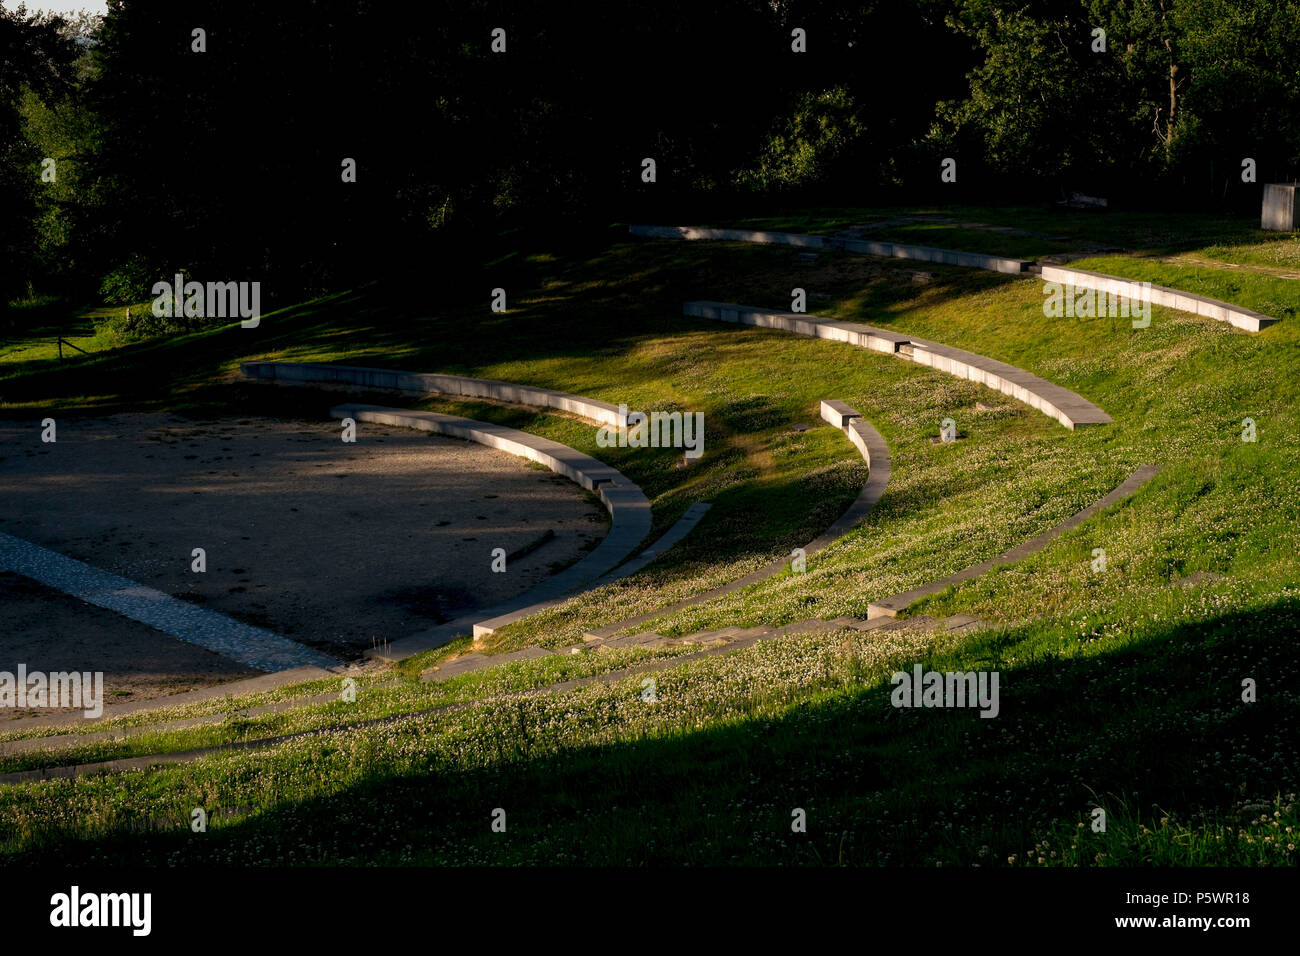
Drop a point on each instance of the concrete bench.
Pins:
(1067, 407)
(837, 413)
(1234, 315)
(871, 247)
(876, 453)
(433, 383)
(628, 507)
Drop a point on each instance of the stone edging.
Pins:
(1234, 315)
(1067, 407)
(876, 453)
(628, 507)
(233, 639)
(870, 247)
(684, 525)
(432, 383)
(1237, 316)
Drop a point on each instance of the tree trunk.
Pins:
(1173, 82)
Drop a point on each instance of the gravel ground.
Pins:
(334, 545)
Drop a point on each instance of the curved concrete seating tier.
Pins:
(431, 383)
(1067, 407)
(684, 525)
(876, 454)
(1234, 315)
(893, 605)
(616, 491)
(870, 247)
(628, 507)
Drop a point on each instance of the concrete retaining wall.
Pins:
(1067, 407)
(601, 413)
(870, 247)
(1235, 315)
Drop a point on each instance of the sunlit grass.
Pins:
(1122, 687)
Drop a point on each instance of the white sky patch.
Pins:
(60, 6)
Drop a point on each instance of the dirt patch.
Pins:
(332, 544)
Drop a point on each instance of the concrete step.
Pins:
(872, 624)
(705, 638)
(460, 665)
(119, 734)
(250, 685)
(962, 622)
(631, 640)
(475, 662)
(809, 626)
(751, 636)
(922, 622)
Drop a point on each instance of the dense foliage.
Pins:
(227, 163)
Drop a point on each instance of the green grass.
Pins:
(30, 331)
(1271, 295)
(1120, 689)
(1057, 227)
(1054, 231)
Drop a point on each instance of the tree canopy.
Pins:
(210, 136)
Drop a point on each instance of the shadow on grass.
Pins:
(1158, 726)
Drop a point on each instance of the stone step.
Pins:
(807, 626)
(872, 624)
(631, 640)
(476, 661)
(962, 622)
(119, 734)
(922, 622)
(459, 665)
(233, 689)
(706, 637)
(751, 636)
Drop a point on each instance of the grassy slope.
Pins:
(1118, 689)
(1271, 295)
(1136, 232)
(1228, 259)
(33, 329)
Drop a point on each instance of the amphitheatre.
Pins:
(829, 534)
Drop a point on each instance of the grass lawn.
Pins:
(1272, 295)
(1121, 689)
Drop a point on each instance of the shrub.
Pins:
(128, 282)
